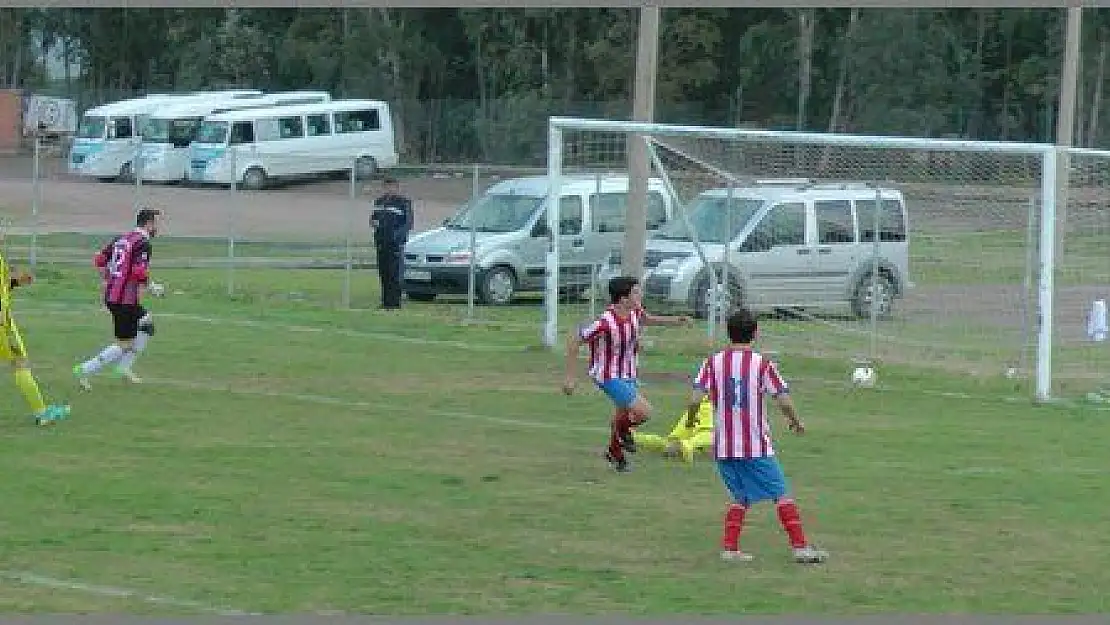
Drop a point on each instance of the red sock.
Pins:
(616, 452)
(622, 421)
(734, 522)
(791, 522)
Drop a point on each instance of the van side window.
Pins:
(318, 125)
(656, 210)
(607, 211)
(784, 225)
(892, 223)
(570, 215)
(242, 132)
(357, 121)
(835, 223)
(120, 128)
(291, 127)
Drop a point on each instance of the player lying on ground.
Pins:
(614, 340)
(736, 380)
(124, 265)
(685, 439)
(12, 349)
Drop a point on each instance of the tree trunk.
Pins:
(974, 125)
(842, 72)
(1005, 130)
(841, 84)
(1096, 91)
(806, 25)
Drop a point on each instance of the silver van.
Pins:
(512, 238)
(799, 245)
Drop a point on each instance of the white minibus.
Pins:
(169, 131)
(253, 147)
(108, 135)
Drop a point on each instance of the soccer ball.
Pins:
(863, 377)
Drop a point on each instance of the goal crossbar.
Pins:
(1048, 154)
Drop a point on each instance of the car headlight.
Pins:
(458, 258)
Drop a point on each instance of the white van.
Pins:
(108, 136)
(167, 133)
(512, 239)
(790, 245)
(293, 142)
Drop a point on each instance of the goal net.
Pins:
(908, 252)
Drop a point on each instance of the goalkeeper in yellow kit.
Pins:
(685, 439)
(13, 350)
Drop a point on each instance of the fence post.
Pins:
(349, 260)
(36, 178)
(231, 225)
(472, 270)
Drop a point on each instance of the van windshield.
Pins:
(92, 127)
(713, 218)
(500, 212)
(212, 132)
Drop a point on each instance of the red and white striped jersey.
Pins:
(737, 380)
(614, 342)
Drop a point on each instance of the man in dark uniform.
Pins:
(391, 221)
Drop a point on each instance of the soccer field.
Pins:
(286, 457)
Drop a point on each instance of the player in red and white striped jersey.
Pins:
(737, 379)
(614, 340)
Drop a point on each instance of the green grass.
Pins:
(297, 458)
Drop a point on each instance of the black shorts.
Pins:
(125, 319)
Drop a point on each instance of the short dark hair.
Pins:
(146, 216)
(621, 287)
(742, 325)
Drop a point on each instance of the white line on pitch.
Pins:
(365, 405)
(251, 323)
(44, 581)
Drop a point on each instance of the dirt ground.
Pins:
(317, 210)
(323, 210)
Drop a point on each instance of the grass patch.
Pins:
(286, 456)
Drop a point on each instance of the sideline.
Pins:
(115, 592)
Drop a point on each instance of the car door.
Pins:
(778, 257)
(837, 249)
(571, 244)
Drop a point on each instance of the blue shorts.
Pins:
(622, 391)
(750, 480)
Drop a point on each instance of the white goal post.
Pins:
(1043, 158)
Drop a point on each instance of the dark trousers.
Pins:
(390, 266)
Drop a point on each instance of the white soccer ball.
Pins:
(863, 376)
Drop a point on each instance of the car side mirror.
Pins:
(540, 230)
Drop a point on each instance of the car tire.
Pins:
(497, 286)
(861, 296)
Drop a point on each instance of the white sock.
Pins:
(137, 346)
(107, 356)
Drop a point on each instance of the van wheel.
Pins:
(884, 293)
(365, 168)
(701, 296)
(254, 179)
(497, 287)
